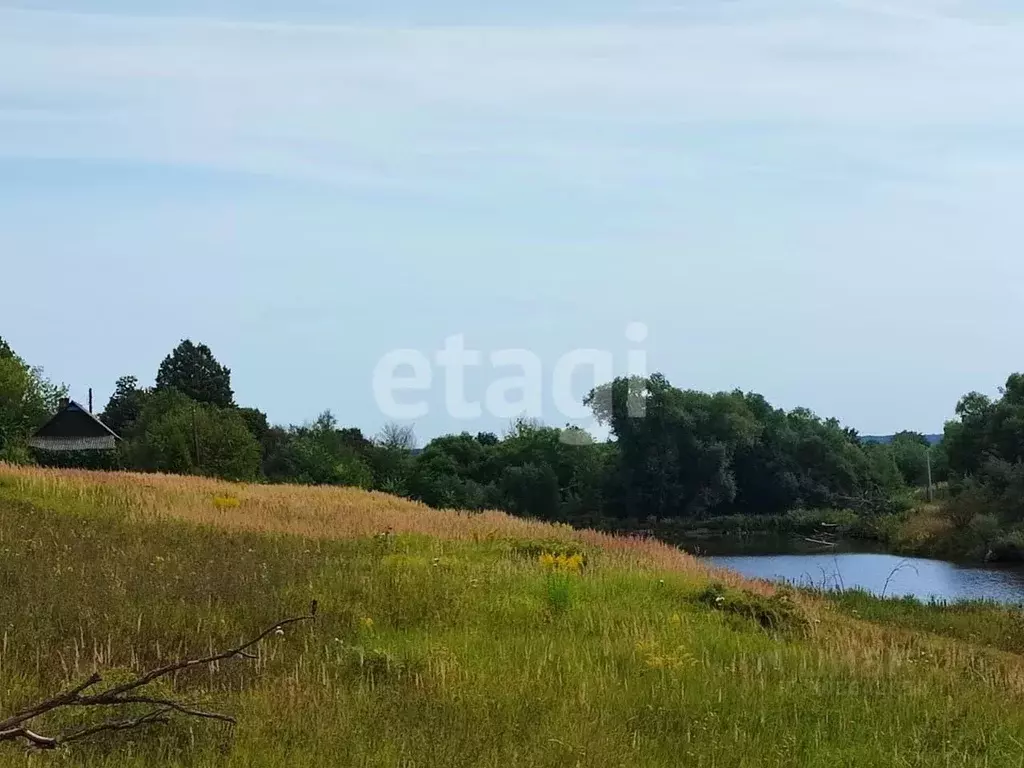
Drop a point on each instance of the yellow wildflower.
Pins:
(573, 563)
(562, 563)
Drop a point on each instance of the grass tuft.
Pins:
(779, 612)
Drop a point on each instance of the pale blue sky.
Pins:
(815, 199)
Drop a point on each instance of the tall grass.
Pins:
(311, 512)
(978, 622)
(457, 640)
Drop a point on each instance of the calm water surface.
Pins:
(917, 577)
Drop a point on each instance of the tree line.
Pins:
(692, 455)
(984, 446)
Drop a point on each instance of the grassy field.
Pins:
(448, 639)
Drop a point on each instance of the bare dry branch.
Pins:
(177, 666)
(34, 739)
(157, 716)
(13, 728)
(168, 704)
(60, 700)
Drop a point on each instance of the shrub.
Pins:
(1008, 548)
(777, 613)
(971, 500)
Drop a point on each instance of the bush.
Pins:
(179, 436)
(997, 489)
(776, 613)
(971, 499)
(1008, 548)
(985, 528)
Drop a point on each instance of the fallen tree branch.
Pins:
(15, 727)
(60, 700)
(157, 716)
(34, 739)
(168, 704)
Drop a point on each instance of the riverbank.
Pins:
(933, 531)
(923, 530)
(449, 639)
(676, 531)
(975, 621)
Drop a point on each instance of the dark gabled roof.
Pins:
(75, 421)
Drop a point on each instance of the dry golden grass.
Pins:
(325, 513)
(926, 524)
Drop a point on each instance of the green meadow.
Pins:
(447, 639)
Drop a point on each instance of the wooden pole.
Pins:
(195, 434)
(928, 453)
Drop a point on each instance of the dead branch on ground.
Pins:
(16, 727)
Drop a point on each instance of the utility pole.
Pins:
(928, 453)
(195, 435)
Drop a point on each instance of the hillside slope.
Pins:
(445, 639)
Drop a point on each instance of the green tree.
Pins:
(966, 439)
(391, 458)
(438, 479)
(768, 476)
(448, 472)
(530, 490)
(984, 447)
(177, 435)
(125, 406)
(194, 371)
(535, 470)
(319, 454)
(352, 470)
(676, 456)
(257, 422)
(685, 454)
(487, 438)
(27, 400)
(910, 452)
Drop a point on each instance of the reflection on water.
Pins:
(892, 575)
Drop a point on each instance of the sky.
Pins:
(817, 200)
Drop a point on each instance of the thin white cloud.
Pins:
(416, 106)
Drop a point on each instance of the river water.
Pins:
(881, 574)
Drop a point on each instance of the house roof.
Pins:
(74, 421)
